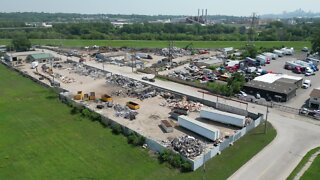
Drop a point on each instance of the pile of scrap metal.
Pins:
(64, 79)
(124, 82)
(83, 70)
(125, 112)
(174, 51)
(143, 93)
(188, 146)
(184, 104)
(248, 121)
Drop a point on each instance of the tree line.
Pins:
(275, 31)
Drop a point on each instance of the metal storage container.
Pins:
(223, 117)
(199, 128)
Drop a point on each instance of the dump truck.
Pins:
(86, 97)
(79, 96)
(92, 96)
(133, 105)
(106, 98)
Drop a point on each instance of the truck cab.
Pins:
(306, 84)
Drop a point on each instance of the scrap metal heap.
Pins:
(124, 82)
(125, 112)
(83, 70)
(175, 52)
(184, 104)
(132, 88)
(188, 146)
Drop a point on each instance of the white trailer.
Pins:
(313, 60)
(278, 52)
(288, 51)
(293, 64)
(199, 128)
(223, 117)
(271, 55)
(232, 63)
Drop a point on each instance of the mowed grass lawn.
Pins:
(314, 170)
(40, 139)
(298, 45)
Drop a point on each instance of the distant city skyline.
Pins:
(163, 7)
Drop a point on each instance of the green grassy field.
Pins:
(304, 160)
(160, 44)
(314, 171)
(40, 139)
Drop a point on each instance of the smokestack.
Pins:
(198, 14)
(202, 13)
(206, 19)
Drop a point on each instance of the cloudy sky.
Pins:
(155, 7)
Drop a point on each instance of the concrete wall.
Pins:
(198, 162)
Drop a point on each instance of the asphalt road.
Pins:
(296, 135)
(294, 139)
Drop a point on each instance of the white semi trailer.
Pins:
(199, 128)
(223, 117)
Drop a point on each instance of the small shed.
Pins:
(41, 57)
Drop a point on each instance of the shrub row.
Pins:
(175, 160)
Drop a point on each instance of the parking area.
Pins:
(277, 66)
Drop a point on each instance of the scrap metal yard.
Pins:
(154, 104)
(185, 119)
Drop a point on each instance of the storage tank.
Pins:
(199, 128)
(223, 117)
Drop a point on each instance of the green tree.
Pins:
(21, 43)
(250, 51)
(315, 41)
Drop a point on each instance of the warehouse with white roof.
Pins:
(278, 87)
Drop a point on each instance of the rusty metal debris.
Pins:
(188, 146)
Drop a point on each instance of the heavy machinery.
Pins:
(79, 96)
(106, 98)
(92, 96)
(133, 105)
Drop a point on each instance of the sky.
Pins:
(163, 7)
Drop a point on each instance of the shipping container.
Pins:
(223, 117)
(199, 128)
(166, 126)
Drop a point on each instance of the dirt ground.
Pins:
(150, 114)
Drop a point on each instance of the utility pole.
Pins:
(204, 164)
(265, 123)
(254, 19)
(170, 52)
(132, 59)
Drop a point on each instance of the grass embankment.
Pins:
(40, 139)
(298, 45)
(314, 171)
(304, 160)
